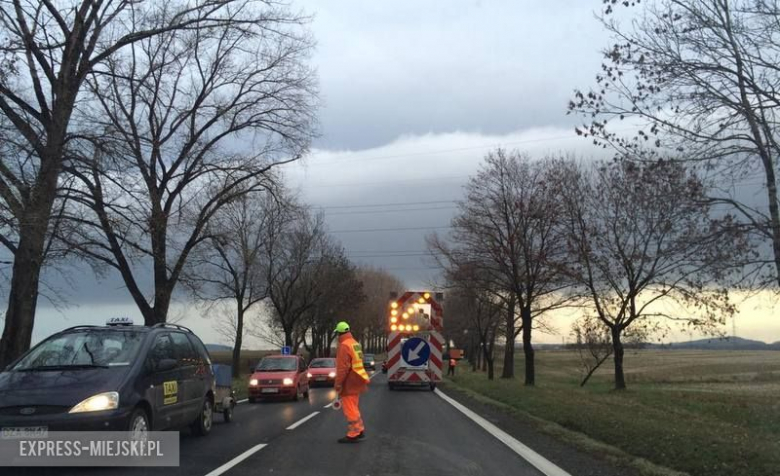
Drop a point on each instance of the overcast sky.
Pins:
(414, 94)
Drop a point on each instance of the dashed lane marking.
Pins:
(302, 421)
(246, 454)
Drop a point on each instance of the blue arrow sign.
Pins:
(416, 351)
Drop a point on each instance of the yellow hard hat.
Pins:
(342, 327)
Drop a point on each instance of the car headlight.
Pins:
(332, 375)
(373, 363)
(97, 403)
(287, 381)
(253, 382)
(309, 375)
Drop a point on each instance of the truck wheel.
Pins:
(202, 424)
(251, 399)
(433, 386)
(391, 386)
(228, 414)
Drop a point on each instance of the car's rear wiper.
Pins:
(42, 368)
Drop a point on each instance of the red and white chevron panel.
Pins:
(396, 367)
(396, 370)
(436, 363)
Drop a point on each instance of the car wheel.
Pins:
(138, 425)
(202, 425)
(251, 399)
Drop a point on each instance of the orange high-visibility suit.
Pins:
(351, 381)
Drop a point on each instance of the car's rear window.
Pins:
(84, 348)
(323, 363)
(271, 364)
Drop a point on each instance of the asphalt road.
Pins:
(409, 432)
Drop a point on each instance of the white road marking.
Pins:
(246, 454)
(242, 401)
(302, 421)
(537, 460)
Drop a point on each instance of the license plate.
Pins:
(24, 432)
(269, 390)
(320, 379)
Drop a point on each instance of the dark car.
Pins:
(322, 371)
(114, 377)
(279, 376)
(369, 361)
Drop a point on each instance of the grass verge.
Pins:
(704, 422)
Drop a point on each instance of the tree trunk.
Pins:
(528, 349)
(509, 351)
(774, 214)
(25, 280)
(472, 353)
(22, 299)
(488, 360)
(238, 341)
(593, 370)
(617, 345)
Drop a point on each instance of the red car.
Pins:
(322, 371)
(279, 376)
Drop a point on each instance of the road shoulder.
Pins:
(572, 451)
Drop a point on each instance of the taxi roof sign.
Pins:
(119, 321)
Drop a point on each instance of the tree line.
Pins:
(662, 233)
(144, 138)
(632, 245)
(271, 271)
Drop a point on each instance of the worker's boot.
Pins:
(362, 435)
(349, 439)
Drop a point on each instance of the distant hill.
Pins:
(218, 347)
(729, 343)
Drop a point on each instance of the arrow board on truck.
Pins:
(416, 352)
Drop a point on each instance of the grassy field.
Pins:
(704, 413)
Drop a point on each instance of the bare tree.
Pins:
(297, 245)
(370, 318)
(51, 49)
(341, 293)
(478, 311)
(507, 226)
(229, 267)
(194, 121)
(645, 247)
(699, 77)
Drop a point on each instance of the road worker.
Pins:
(351, 380)
(453, 364)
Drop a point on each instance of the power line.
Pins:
(374, 205)
(372, 212)
(417, 255)
(445, 151)
(374, 230)
(389, 182)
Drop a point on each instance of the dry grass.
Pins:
(705, 413)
